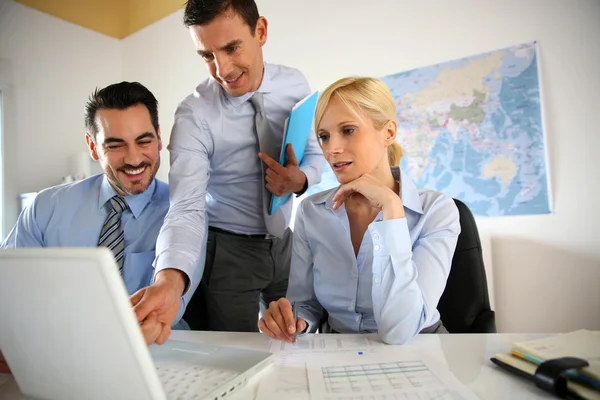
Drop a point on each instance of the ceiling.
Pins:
(116, 18)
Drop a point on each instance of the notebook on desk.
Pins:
(297, 131)
(528, 359)
(68, 331)
(583, 344)
(526, 370)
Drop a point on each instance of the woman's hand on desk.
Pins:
(278, 321)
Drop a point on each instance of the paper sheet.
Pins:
(383, 376)
(325, 342)
(287, 378)
(323, 367)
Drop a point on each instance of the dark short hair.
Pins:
(119, 96)
(202, 12)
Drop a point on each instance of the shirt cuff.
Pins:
(390, 236)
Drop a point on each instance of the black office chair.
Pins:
(465, 304)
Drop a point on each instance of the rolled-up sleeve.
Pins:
(182, 238)
(408, 280)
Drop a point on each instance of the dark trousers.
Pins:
(240, 272)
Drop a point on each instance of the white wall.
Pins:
(48, 68)
(546, 268)
(163, 58)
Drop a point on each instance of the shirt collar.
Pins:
(265, 87)
(136, 202)
(408, 193)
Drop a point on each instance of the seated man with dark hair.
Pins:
(122, 209)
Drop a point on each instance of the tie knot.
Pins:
(258, 102)
(118, 204)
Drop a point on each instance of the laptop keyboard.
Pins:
(191, 382)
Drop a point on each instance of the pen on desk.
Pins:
(295, 311)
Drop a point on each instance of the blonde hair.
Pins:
(372, 97)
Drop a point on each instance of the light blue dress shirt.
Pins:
(72, 215)
(394, 285)
(215, 170)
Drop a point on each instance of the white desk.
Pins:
(467, 356)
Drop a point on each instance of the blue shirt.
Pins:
(72, 215)
(394, 285)
(215, 173)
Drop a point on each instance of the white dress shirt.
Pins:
(394, 285)
(215, 173)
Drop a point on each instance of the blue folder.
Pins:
(297, 132)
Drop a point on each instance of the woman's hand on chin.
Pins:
(375, 192)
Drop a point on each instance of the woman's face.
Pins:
(351, 144)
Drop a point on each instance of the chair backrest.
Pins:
(465, 305)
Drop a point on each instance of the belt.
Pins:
(265, 236)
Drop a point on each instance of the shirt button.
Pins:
(358, 317)
(375, 236)
(377, 247)
(352, 304)
(376, 280)
(354, 275)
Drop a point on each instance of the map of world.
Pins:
(472, 128)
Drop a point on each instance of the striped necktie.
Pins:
(275, 223)
(111, 235)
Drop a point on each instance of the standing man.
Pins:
(122, 209)
(225, 140)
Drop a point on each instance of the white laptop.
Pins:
(68, 331)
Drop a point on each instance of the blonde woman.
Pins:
(374, 253)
